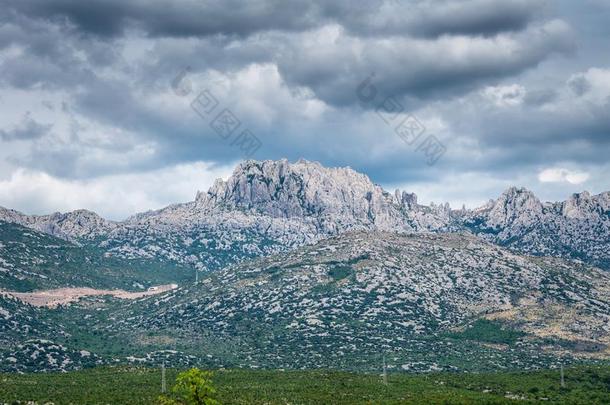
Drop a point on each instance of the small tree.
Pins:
(193, 387)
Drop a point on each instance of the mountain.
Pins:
(578, 228)
(315, 267)
(426, 301)
(270, 207)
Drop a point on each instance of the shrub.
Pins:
(193, 387)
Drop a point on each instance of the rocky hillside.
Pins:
(18, 320)
(346, 300)
(31, 260)
(24, 344)
(269, 207)
(75, 225)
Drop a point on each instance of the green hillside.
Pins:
(423, 300)
(30, 260)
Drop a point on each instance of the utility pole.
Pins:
(563, 383)
(196, 276)
(163, 385)
(385, 372)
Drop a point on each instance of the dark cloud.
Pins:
(418, 68)
(479, 17)
(433, 50)
(164, 18)
(506, 85)
(435, 18)
(49, 55)
(190, 18)
(27, 129)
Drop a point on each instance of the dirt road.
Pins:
(61, 296)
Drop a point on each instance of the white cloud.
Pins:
(561, 175)
(113, 197)
(503, 96)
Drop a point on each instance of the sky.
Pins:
(121, 106)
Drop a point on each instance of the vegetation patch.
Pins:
(340, 272)
(484, 330)
(138, 385)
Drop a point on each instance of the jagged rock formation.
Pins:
(577, 228)
(266, 208)
(273, 206)
(324, 200)
(334, 200)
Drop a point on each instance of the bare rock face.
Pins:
(515, 207)
(584, 206)
(336, 198)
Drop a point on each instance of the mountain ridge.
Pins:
(282, 205)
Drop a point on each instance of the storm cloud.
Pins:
(512, 89)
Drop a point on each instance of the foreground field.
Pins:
(586, 385)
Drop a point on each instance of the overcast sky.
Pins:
(96, 97)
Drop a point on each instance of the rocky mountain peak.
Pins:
(305, 189)
(81, 223)
(584, 205)
(70, 225)
(515, 205)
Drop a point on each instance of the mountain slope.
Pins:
(18, 320)
(346, 300)
(32, 260)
